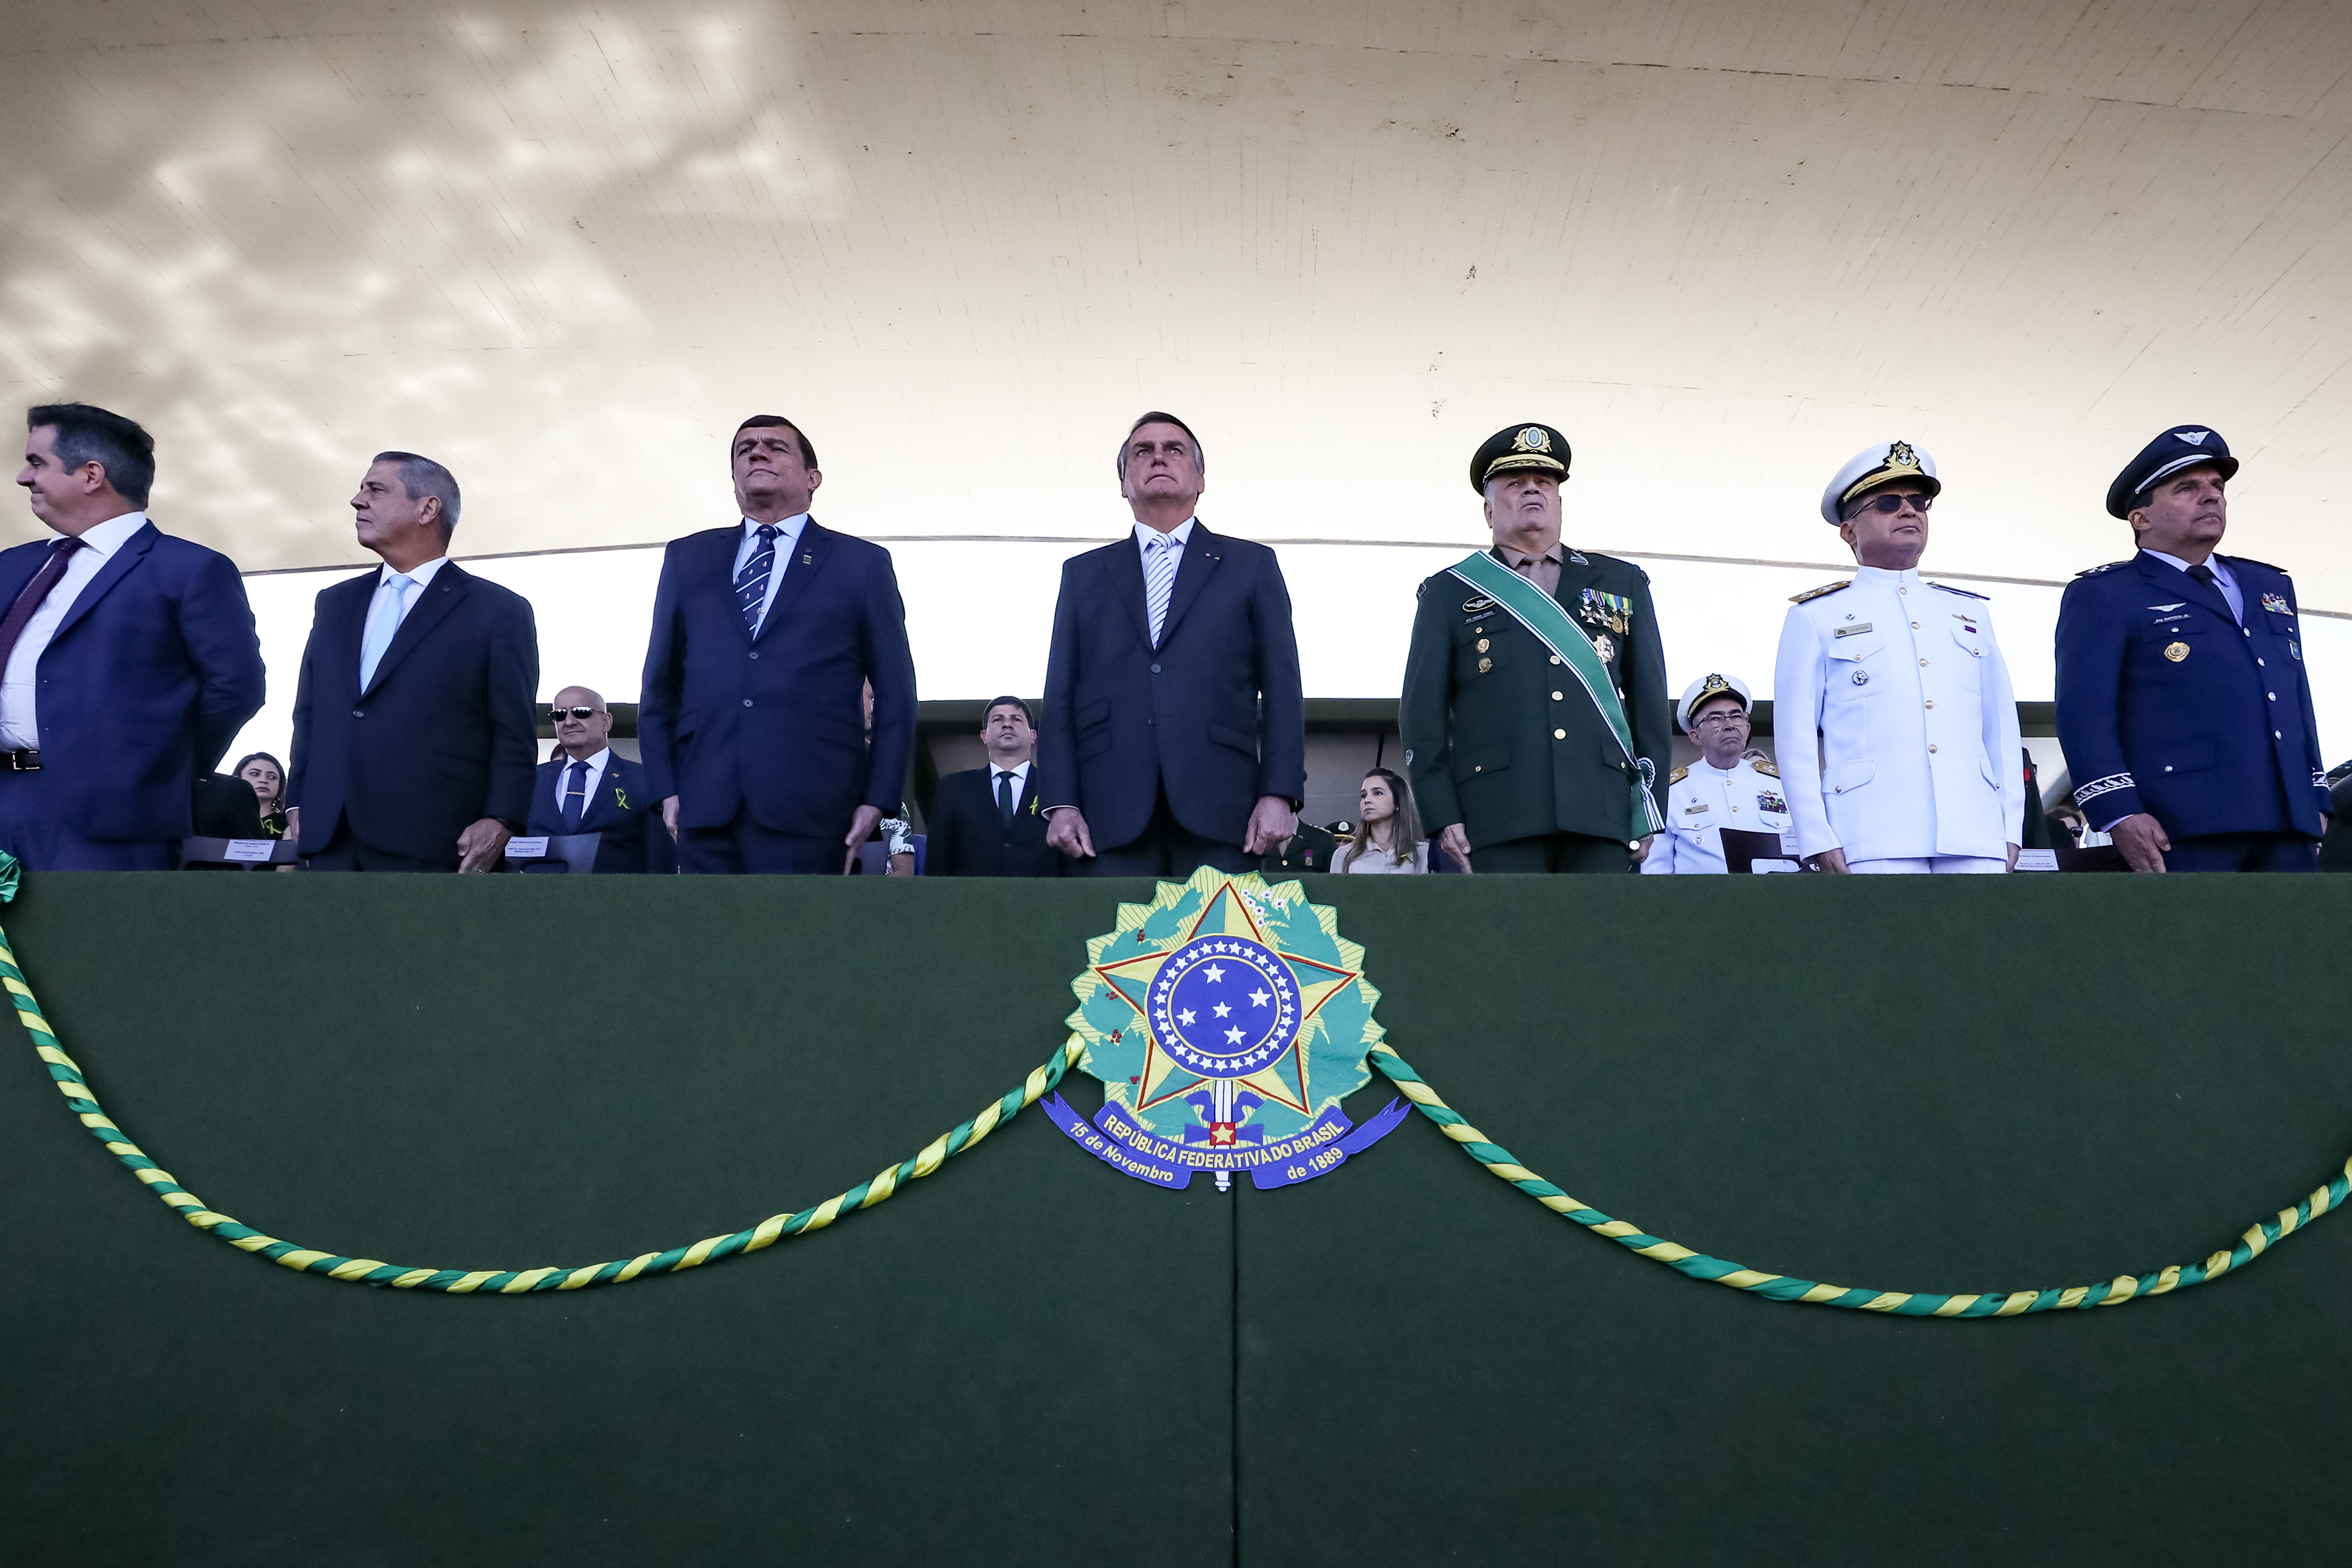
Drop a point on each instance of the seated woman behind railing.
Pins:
(268, 781)
(1388, 842)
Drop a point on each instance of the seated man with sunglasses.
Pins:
(1896, 728)
(588, 787)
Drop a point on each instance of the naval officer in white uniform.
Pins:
(1721, 789)
(1916, 765)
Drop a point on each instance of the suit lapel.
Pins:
(2169, 579)
(433, 606)
(1125, 564)
(133, 550)
(1202, 551)
(809, 554)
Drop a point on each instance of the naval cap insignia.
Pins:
(1900, 455)
(2194, 437)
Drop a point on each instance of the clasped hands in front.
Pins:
(1273, 823)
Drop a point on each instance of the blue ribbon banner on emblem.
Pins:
(1113, 1138)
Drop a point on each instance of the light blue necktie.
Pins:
(383, 625)
(1159, 581)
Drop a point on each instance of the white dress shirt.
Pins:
(20, 728)
(788, 540)
(1896, 728)
(564, 779)
(1178, 536)
(2223, 578)
(1020, 782)
(422, 576)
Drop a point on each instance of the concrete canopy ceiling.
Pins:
(1722, 244)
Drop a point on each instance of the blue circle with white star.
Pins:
(1225, 1006)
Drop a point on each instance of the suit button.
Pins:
(359, 713)
(1150, 721)
(2168, 768)
(1555, 697)
(2276, 736)
(2260, 662)
(1923, 663)
(1555, 658)
(755, 655)
(747, 701)
(1478, 767)
(1560, 734)
(1155, 669)
(1931, 702)
(1931, 748)
(2274, 695)
(1914, 625)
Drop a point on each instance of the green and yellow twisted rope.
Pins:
(508, 1281)
(2113, 1293)
(84, 1103)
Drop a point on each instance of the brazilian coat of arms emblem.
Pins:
(1226, 1021)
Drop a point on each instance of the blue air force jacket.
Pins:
(2168, 705)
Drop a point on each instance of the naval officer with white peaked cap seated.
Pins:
(1896, 729)
(1721, 789)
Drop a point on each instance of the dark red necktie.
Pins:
(29, 601)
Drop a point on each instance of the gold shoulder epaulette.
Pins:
(1678, 775)
(1812, 593)
(1766, 769)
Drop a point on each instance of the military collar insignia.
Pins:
(1226, 1021)
(1576, 559)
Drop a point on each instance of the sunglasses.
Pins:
(558, 715)
(1894, 504)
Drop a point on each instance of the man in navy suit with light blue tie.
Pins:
(751, 721)
(588, 787)
(129, 656)
(2184, 702)
(414, 739)
(1174, 730)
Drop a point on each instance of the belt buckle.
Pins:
(24, 762)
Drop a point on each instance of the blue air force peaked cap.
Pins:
(1536, 446)
(2182, 446)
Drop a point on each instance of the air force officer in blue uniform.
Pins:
(130, 655)
(2184, 704)
(1173, 733)
(752, 722)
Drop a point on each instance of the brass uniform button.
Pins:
(1931, 748)
(1923, 663)
(1482, 645)
(1484, 665)
(1560, 734)
(2176, 651)
(1555, 697)
(1931, 702)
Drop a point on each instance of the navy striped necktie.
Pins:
(751, 582)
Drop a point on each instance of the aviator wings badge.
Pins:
(1226, 1021)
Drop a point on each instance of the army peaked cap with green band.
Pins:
(1536, 446)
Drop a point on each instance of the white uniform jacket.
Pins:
(1919, 744)
(1701, 801)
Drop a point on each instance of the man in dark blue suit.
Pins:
(1174, 732)
(129, 656)
(987, 821)
(2184, 704)
(413, 738)
(751, 721)
(588, 787)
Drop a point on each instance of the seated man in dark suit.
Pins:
(413, 732)
(1174, 732)
(986, 822)
(588, 787)
(130, 657)
(765, 634)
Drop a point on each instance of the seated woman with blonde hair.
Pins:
(1388, 842)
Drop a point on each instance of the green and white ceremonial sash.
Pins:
(1540, 613)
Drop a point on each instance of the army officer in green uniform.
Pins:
(1520, 762)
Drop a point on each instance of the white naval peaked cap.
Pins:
(1875, 465)
(1706, 687)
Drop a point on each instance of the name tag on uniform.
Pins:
(249, 852)
(1853, 631)
(527, 849)
(1690, 811)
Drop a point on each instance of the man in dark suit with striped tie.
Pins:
(751, 719)
(986, 822)
(588, 787)
(1174, 734)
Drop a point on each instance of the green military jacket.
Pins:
(1310, 849)
(1499, 737)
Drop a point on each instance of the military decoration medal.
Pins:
(2276, 603)
(1610, 611)
(1226, 1021)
